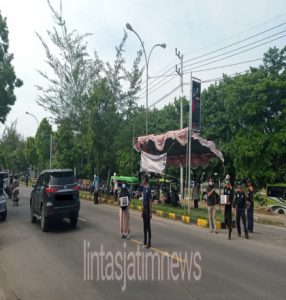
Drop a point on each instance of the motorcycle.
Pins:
(15, 196)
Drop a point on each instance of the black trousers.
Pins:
(146, 224)
(115, 195)
(95, 197)
(240, 214)
(228, 218)
(250, 217)
(196, 203)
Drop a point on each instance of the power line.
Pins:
(236, 43)
(230, 65)
(165, 96)
(234, 75)
(219, 42)
(233, 50)
(173, 74)
(260, 33)
(238, 53)
(217, 67)
(155, 88)
(236, 34)
(213, 68)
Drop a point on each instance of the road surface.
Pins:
(58, 264)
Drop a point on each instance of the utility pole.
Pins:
(181, 74)
(51, 150)
(190, 143)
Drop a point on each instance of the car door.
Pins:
(37, 194)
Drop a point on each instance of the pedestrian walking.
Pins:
(240, 207)
(211, 202)
(124, 201)
(250, 209)
(228, 192)
(147, 212)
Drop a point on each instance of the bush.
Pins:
(260, 199)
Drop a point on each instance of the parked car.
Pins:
(277, 209)
(3, 201)
(55, 196)
(3, 206)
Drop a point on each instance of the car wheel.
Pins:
(73, 220)
(44, 225)
(32, 217)
(281, 212)
(4, 216)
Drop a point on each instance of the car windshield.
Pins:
(62, 178)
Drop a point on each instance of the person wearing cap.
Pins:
(147, 212)
(250, 210)
(240, 206)
(228, 191)
(211, 202)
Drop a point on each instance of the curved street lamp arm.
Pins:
(33, 117)
(143, 47)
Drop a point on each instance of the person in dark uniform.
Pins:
(240, 206)
(251, 206)
(147, 212)
(228, 191)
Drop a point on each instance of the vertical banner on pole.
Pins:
(196, 105)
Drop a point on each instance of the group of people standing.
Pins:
(239, 201)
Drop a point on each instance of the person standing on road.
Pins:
(115, 187)
(147, 212)
(228, 191)
(196, 194)
(27, 176)
(240, 206)
(211, 202)
(95, 189)
(124, 201)
(250, 210)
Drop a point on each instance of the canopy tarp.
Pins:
(174, 143)
(127, 179)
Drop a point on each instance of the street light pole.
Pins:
(181, 74)
(147, 60)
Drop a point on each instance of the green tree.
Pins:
(43, 139)
(74, 73)
(8, 79)
(12, 150)
(246, 116)
(66, 152)
(31, 153)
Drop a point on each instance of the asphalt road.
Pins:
(53, 265)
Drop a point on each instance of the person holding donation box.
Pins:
(124, 201)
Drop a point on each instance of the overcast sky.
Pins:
(194, 27)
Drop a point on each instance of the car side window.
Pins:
(46, 179)
(40, 180)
